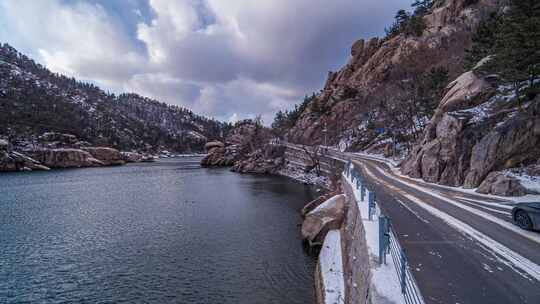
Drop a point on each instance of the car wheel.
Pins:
(523, 220)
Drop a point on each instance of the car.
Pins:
(527, 215)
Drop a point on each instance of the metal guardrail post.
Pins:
(403, 260)
(384, 238)
(371, 206)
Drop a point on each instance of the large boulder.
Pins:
(498, 183)
(325, 217)
(266, 160)
(508, 145)
(213, 144)
(220, 155)
(14, 161)
(131, 157)
(65, 158)
(108, 156)
(443, 156)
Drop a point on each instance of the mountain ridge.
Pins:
(34, 101)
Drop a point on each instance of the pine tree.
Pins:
(483, 41)
(517, 46)
(421, 7)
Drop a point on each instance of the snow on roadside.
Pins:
(379, 157)
(533, 184)
(331, 266)
(384, 278)
(527, 234)
(503, 254)
(327, 203)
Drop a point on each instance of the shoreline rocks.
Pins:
(325, 217)
(65, 158)
(56, 150)
(108, 156)
(11, 161)
(219, 155)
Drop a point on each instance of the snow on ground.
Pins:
(501, 253)
(306, 178)
(393, 164)
(384, 278)
(331, 266)
(531, 183)
(527, 234)
(379, 157)
(329, 202)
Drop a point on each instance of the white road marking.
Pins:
(535, 237)
(521, 265)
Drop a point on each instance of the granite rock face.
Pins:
(473, 133)
(108, 156)
(57, 150)
(379, 67)
(443, 156)
(11, 161)
(131, 157)
(219, 155)
(327, 216)
(268, 159)
(65, 158)
(498, 183)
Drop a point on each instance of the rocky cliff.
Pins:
(478, 132)
(381, 71)
(472, 131)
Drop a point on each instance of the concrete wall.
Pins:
(355, 255)
(297, 158)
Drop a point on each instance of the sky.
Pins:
(227, 59)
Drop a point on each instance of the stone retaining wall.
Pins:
(355, 255)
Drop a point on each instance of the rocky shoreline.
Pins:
(58, 151)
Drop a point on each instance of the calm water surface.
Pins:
(166, 232)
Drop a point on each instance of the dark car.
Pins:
(527, 215)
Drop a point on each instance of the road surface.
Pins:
(462, 247)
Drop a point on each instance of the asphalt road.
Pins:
(462, 247)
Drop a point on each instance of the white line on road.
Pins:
(527, 234)
(500, 252)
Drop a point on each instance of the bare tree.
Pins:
(315, 154)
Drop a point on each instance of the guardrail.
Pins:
(388, 243)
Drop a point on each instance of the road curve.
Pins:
(462, 247)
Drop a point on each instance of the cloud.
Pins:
(79, 40)
(227, 59)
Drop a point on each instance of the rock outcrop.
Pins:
(267, 160)
(246, 137)
(134, 157)
(108, 156)
(498, 183)
(218, 155)
(131, 157)
(377, 71)
(57, 150)
(65, 158)
(477, 130)
(325, 217)
(444, 153)
(11, 161)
